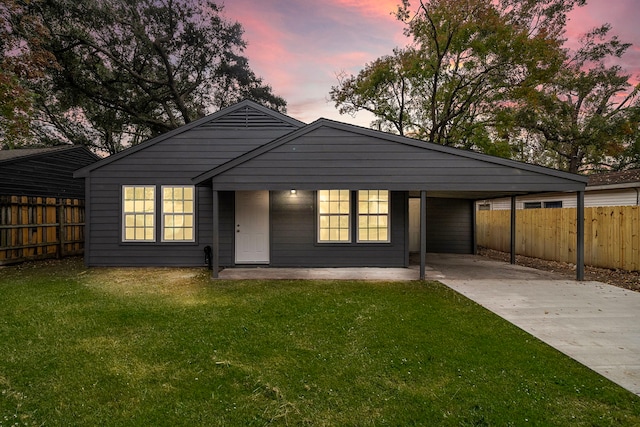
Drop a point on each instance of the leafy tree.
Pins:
(466, 59)
(19, 65)
(587, 116)
(133, 69)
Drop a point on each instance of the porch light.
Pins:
(293, 191)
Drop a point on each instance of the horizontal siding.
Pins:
(357, 161)
(187, 155)
(622, 197)
(449, 226)
(106, 248)
(293, 236)
(45, 175)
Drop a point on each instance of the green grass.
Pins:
(170, 347)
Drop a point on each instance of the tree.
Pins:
(18, 65)
(587, 116)
(130, 70)
(466, 59)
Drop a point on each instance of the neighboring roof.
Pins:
(614, 178)
(23, 153)
(241, 115)
(387, 137)
(44, 172)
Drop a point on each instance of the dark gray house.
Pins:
(261, 188)
(44, 172)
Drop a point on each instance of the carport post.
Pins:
(215, 243)
(423, 233)
(580, 237)
(513, 230)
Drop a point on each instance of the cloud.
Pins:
(299, 47)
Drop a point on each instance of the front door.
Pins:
(252, 227)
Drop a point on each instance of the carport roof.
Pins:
(327, 152)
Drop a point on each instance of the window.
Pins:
(532, 205)
(138, 213)
(373, 216)
(554, 204)
(334, 216)
(177, 214)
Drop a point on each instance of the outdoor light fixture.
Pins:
(293, 191)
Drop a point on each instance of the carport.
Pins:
(327, 155)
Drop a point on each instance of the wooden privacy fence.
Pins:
(611, 234)
(38, 227)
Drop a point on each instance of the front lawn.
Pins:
(154, 347)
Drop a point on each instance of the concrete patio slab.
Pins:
(372, 273)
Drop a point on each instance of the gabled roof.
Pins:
(245, 114)
(20, 154)
(386, 137)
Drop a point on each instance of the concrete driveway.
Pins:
(594, 323)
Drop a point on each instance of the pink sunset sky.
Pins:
(299, 46)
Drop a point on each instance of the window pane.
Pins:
(373, 216)
(188, 193)
(178, 207)
(138, 213)
(333, 215)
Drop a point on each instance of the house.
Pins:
(619, 188)
(44, 172)
(261, 188)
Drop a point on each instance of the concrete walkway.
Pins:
(596, 324)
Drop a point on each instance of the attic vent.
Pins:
(245, 118)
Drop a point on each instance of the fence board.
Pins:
(612, 234)
(36, 227)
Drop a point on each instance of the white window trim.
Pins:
(388, 214)
(162, 214)
(123, 214)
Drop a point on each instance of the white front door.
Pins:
(252, 227)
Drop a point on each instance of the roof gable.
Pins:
(327, 147)
(243, 115)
